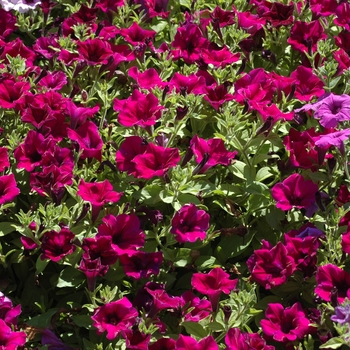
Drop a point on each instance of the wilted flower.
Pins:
(114, 317)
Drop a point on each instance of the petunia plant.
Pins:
(174, 174)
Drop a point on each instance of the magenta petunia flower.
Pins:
(136, 35)
(128, 150)
(271, 266)
(305, 35)
(236, 340)
(210, 153)
(4, 158)
(330, 109)
(8, 312)
(114, 317)
(285, 324)
(185, 342)
(294, 192)
(187, 84)
(332, 280)
(141, 264)
(92, 269)
(94, 51)
(56, 245)
(139, 109)
(124, 231)
(79, 114)
(146, 80)
(8, 188)
(89, 140)
(194, 309)
(7, 23)
(99, 248)
(212, 284)
(98, 194)
(345, 242)
(53, 81)
(163, 344)
(156, 161)
(10, 340)
(190, 224)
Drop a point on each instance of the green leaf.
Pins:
(333, 343)
(238, 169)
(257, 188)
(216, 326)
(42, 321)
(41, 264)
(205, 262)
(263, 174)
(166, 196)
(195, 329)
(70, 277)
(6, 228)
(82, 321)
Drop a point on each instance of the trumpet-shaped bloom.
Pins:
(212, 284)
(285, 324)
(271, 266)
(10, 340)
(98, 194)
(56, 245)
(8, 189)
(296, 192)
(114, 317)
(139, 109)
(190, 224)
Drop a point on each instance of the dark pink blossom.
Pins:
(236, 340)
(277, 14)
(46, 45)
(190, 224)
(141, 264)
(154, 8)
(109, 5)
(124, 231)
(94, 51)
(345, 242)
(285, 324)
(189, 43)
(135, 340)
(305, 35)
(323, 8)
(194, 309)
(51, 181)
(8, 188)
(53, 81)
(342, 13)
(98, 194)
(10, 340)
(114, 317)
(163, 344)
(308, 85)
(89, 140)
(56, 245)
(219, 57)
(136, 35)
(210, 153)
(78, 115)
(16, 48)
(212, 284)
(139, 109)
(146, 80)
(294, 192)
(8, 312)
(330, 279)
(335, 139)
(7, 23)
(216, 96)
(128, 150)
(187, 84)
(185, 342)
(4, 158)
(29, 153)
(271, 266)
(99, 248)
(156, 161)
(92, 269)
(12, 93)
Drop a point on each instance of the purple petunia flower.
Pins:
(336, 139)
(330, 109)
(342, 314)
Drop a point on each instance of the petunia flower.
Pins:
(342, 313)
(212, 284)
(8, 188)
(285, 324)
(124, 231)
(330, 109)
(190, 224)
(22, 6)
(10, 340)
(271, 266)
(336, 139)
(210, 153)
(56, 245)
(8, 312)
(330, 279)
(185, 342)
(295, 192)
(114, 317)
(98, 194)
(156, 161)
(138, 110)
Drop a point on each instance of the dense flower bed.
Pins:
(174, 174)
